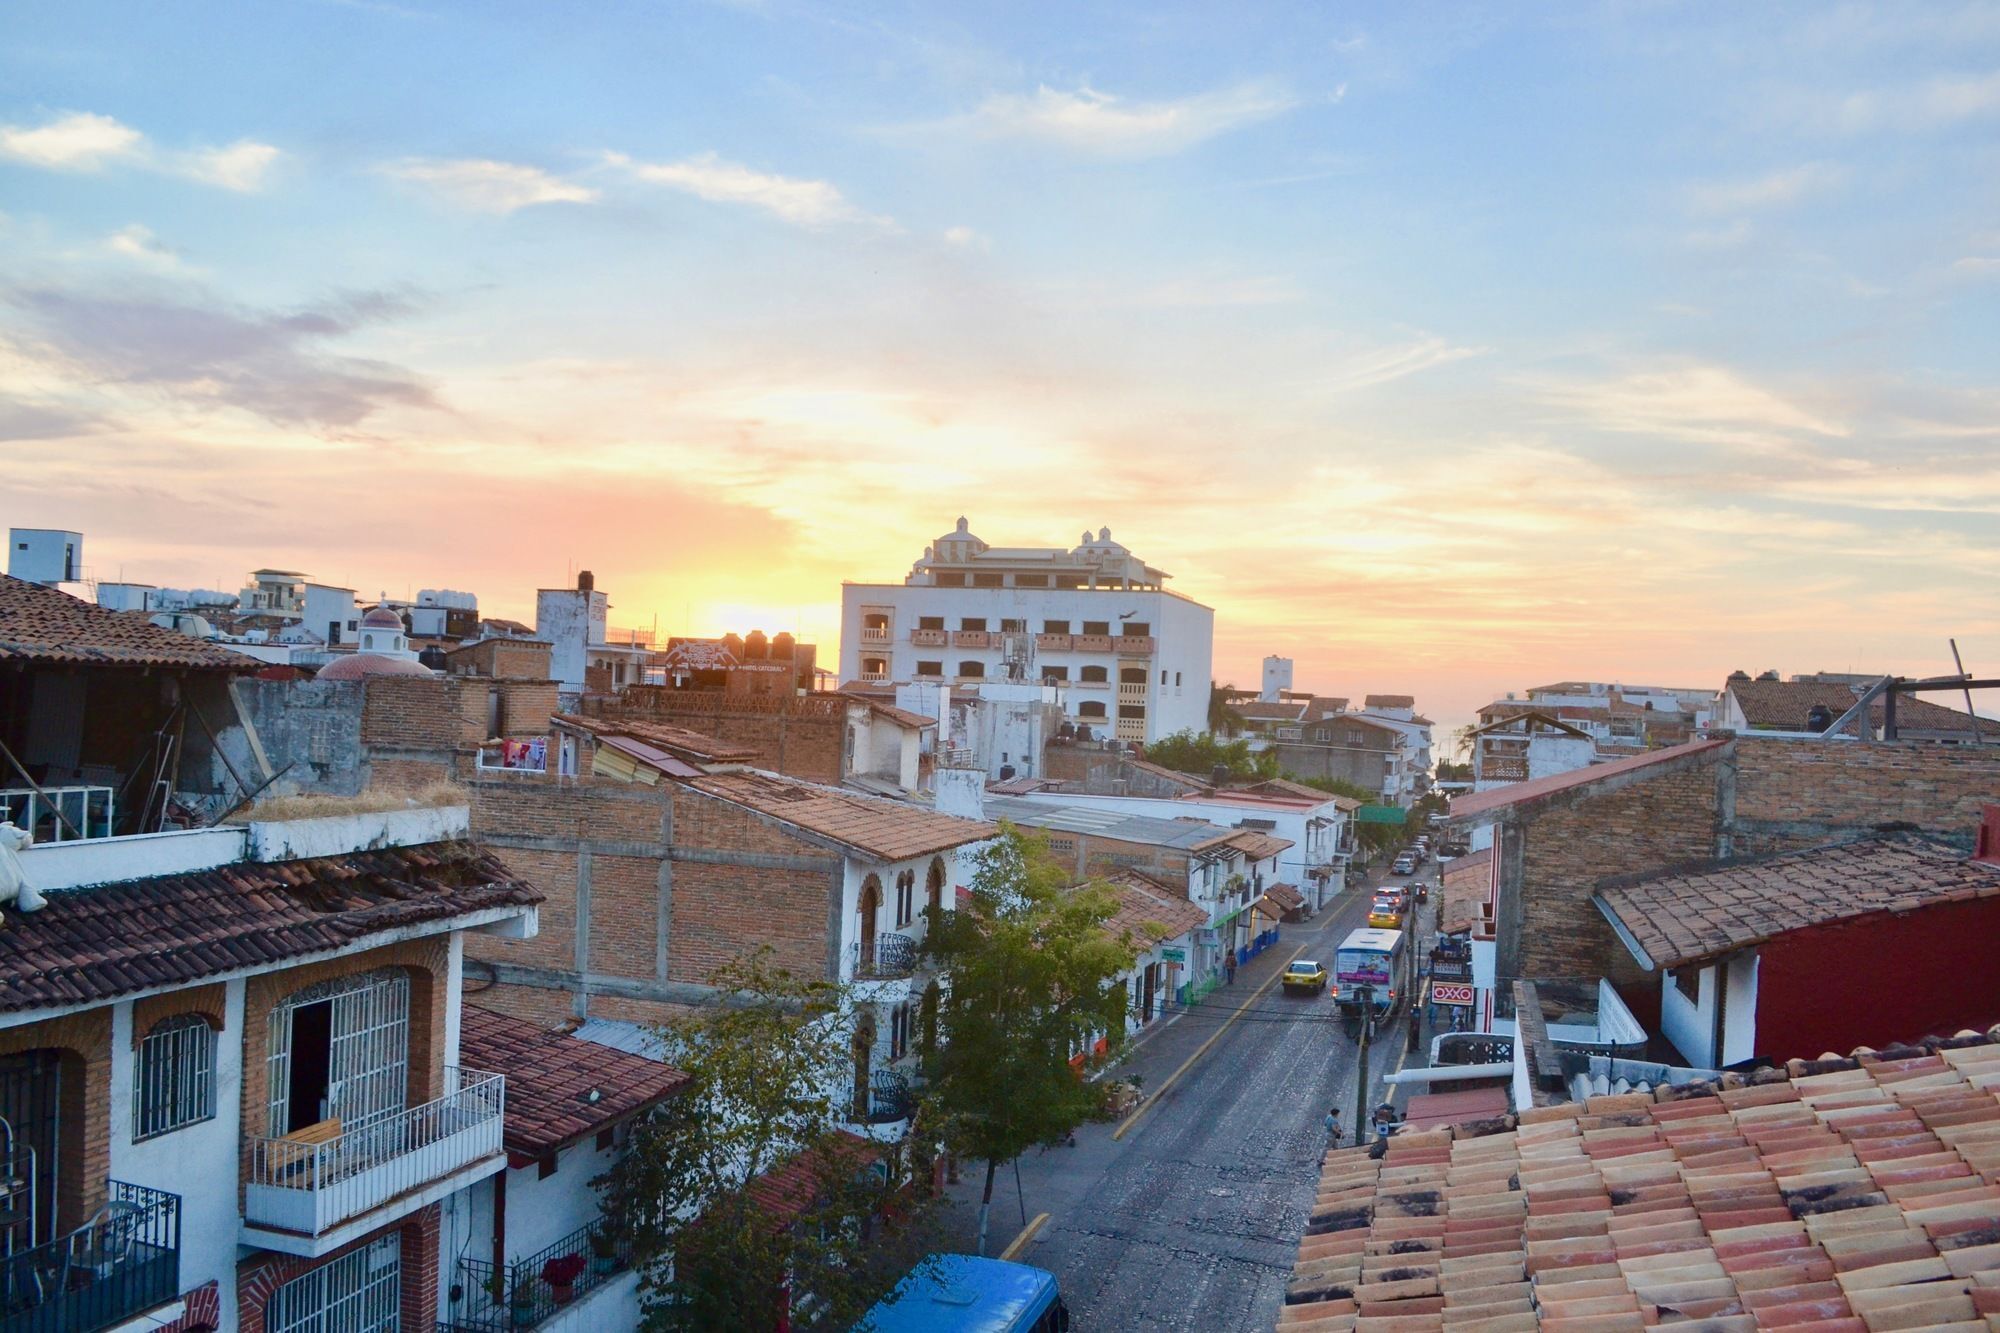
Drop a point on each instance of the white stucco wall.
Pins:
(1689, 1024)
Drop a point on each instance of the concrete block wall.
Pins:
(1790, 794)
(802, 737)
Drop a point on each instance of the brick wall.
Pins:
(525, 706)
(1791, 794)
(1568, 849)
(208, 1001)
(1098, 773)
(721, 912)
(418, 713)
(803, 736)
(84, 1144)
(505, 659)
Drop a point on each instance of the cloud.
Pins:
(1933, 104)
(1774, 189)
(239, 167)
(1977, 266)
(270, 364)
(803, 203)
(1384, 364)
(84, 141)
(137, 242)
(965, 238)
(1100, 123)
(487, 186)
(1704, 403)
(77, 142)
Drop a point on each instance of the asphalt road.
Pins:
(1193, 1219)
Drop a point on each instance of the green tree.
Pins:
(717, 1248)
(1028, 975)
(1375, 839)
(1450, 772)
(1199, 755)
(1222, 715)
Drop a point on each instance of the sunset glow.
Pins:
(1446, 355)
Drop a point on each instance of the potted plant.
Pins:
(603, 1251)
(561, 1274)
(521, 1305)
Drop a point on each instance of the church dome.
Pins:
(382, 618)
(360, 666)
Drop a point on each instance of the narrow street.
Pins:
(1191, 1220)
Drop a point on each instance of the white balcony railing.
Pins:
(1129, 690)
(59, 814)
(308, 1188)
(874, 634)
(1131, 728)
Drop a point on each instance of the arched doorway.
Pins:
(871, 908)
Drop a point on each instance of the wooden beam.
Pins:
(1866, 730)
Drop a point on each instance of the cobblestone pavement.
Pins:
(1192, 1220)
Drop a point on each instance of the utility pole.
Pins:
(1361, 1065)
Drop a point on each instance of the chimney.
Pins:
(1986, 844)
(585, 582)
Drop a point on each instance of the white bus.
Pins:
(1373, 958)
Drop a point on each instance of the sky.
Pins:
(1447, 350)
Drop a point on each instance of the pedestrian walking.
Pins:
(1384, 1121)
(1229, 966)
(1333, 1128)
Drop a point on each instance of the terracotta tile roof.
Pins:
(1148, 912)
(550, 1076)
(174, 930)
(1482, 802)
(1464, 884)
(875, 826)
(683, 743)
(1678, 918)
(901, 716)
(789, 1188)
(1784, 705)
(1286, 897)
(1260, 846)
(1261, 710)
(40, 624)
(1844, 1194)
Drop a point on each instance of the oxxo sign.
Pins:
(1450, 992)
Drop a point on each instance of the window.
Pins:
(1031, 580)
(1062, 844)
(1289, 733)
(1013, 626)
(976, 670)
(1069, 580)
(953, 580)
(874, 666)
(1687, 980)
(1136, 711)
(1097, 627)
(1137, 629)
(1055, 627)
(1322, 735)
(899, 1032)
(1177, 680)
(1163, 678)
(1095, 675)
(1092, 709)
(974, 623)
(1055, 673)
(930, 622)
(1132, 675)
(986, 581)
(930, 668)
(906, 897)
(173, 1080)
(360, 1292)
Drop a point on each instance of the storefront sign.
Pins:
(1174, 955)
(1449, 992)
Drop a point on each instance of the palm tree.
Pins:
(1223, 719)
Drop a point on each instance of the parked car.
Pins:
(1405, 865)
(1419, 890)
(1303, 974)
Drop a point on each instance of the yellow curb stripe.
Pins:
(1027, 1234)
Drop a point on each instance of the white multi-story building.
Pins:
(1128, 657)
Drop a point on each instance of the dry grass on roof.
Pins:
(320, 805)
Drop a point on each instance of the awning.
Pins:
(1288, 898)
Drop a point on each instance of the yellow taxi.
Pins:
(1302, 974)
(1386, 912)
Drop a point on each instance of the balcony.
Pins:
(1136, 645)
(1055, 643)
(1092, 643)
(972, 638)
(874, 676)
(59, 814)
(888, 1107)
(929, 638)
(300, 1194)
(1133, 690)
(881, 968)
(1131, 729)
(123, 1262)
(874, 634)
(535, 1289)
